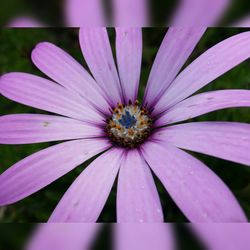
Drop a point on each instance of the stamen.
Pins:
(129, 125)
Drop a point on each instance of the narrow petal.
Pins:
(51, 236)
(204, 103)
(30, 128)
(197, 191)
(85, 199)
(42, 168)
(81, 13)
(203, 13)
(242, 23)
(206, 68)
(97, 52)
(175, 49)
(24, 22)
(226, 140)
(129, 56)
(137, 197)
(130, 13)
(146, 236)
(65, 70)
(43, 94)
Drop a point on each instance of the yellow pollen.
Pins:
(129, 125)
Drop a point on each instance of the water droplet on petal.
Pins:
(158, 210)
(205, 215)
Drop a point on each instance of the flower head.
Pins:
(101, 115)
(129, 125)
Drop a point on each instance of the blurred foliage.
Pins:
(15, 50)
(14, 236)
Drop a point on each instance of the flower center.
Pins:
(129, 125)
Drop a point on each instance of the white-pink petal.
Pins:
(204, 103)
(175, 49)
(32, 128)
(146, 236)
(97, 52)
(24, 22)
(81, 13)
(85, 199)
(226, 140)
(42, 168)
(63, 236)
(197, 191)
(199, 13)
(65, 70)
(217, 236)
(43, 94)
(242, 23)
(210, 65)
(137, 197)
(130, 13)
(129, 56)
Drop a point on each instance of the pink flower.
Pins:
(100, 115)
(216, 236)
(78, 236)
(130, 13)
(81, 236)
(63, 236)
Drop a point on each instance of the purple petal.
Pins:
(242, 23)
(24, 22)
(129, 56)
(197, 191)
(137, 197)
(146, 236)
(130, 13)
(42, 168)
(206, 68)
(81, 13)
(43, 94)
(64, 69)
(203, 13)
(203, 103)
(85, 199)
(63, 236)
(175, 49)
(226, 140)
(97, 52)
(29, 128)
(217, 236)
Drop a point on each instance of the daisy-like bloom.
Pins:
(130, 13)
(81, 236)
(78, 236)
(216, 236)
(63, 236)
(243, 22)
(101, 115)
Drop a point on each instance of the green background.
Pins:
(15, 49)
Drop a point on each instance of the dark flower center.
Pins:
(129, 125)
